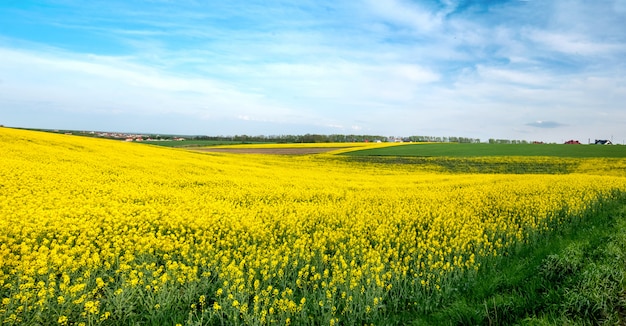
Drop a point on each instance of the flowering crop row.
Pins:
(104, 232)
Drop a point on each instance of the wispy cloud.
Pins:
(545, 124)
(406, 14)
(90, 82)
(573, 44)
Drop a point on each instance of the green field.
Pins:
(475, 150)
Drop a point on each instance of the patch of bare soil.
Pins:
(278, 151)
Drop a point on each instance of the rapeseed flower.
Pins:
(92, 227)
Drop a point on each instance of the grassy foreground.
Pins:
(575, 277)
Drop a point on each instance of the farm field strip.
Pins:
(104, 232)
(483, 150)
(309, 145)
(291, 149)
(265, 150)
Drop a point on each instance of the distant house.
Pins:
(572, 142)
(603, 142)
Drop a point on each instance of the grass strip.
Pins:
(573, 277)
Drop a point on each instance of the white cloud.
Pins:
(515, 76)
(405, 13)
(573, 43)
(90, 83)
(544, 124)
(346, 82)
(67, 67)
(413, 73)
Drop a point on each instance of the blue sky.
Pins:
(518, 69)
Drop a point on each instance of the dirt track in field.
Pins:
(277, 151)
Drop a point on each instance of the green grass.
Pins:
(574, 277)
(475, 150)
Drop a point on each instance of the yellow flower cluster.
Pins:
(96, 231)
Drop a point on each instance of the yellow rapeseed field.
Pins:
(100, 232)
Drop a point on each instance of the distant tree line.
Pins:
(334, 138)
(443, 139)
(306, 138)
(506, 141)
